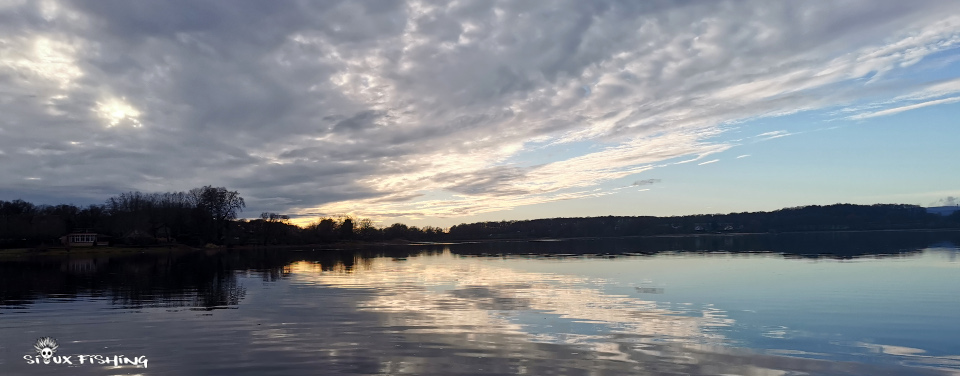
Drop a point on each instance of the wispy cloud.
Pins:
(708, 162)
(772, 135)
(931, 91)
(897, 110)
(926, 93)
(743, 156)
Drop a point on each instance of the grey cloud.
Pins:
(492, 181)
(400, 197)
(645, 182)
(300, 104)
(358, 122)
(947, 201)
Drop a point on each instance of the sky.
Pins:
(445, 112)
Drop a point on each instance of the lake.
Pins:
(875, 303)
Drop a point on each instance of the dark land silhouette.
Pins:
(209, 215)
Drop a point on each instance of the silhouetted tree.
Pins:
(366, 230)
(346, 228)
(216, 206)
(272, 228)
(326, 230)
(396, 231)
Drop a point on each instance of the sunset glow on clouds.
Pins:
(437, 111)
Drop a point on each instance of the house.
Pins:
(84, 239)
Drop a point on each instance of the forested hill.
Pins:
(807, 218)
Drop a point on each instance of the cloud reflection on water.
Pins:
(488, 313)
(383, 311)
(451, 294)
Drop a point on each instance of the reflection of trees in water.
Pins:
(221, 292)
(173, 279)
(143, 280)
(823, 244)
(210, 280)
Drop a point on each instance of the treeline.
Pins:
(208, 215)
(198, 216)
(807, 218)
(276, 229)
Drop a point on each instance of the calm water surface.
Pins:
(881, 304)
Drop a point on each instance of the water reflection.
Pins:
(685, 306)
(474, 302)
(837, 245)
(155, 278)
(169, 279)
(207, 279)
(446, 294)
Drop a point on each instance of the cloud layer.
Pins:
(424, 108)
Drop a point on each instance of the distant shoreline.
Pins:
(358, 245)
(466, 241)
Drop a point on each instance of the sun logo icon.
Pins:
(46, 347)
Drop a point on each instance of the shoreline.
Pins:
(357, 245)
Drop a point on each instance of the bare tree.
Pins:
(217, 205)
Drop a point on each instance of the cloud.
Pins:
(414, 107)
(743, 156)
(897, 110)
(946, 201)
(645, 182)
(924, 96)
(772, 135)
(708, 162)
